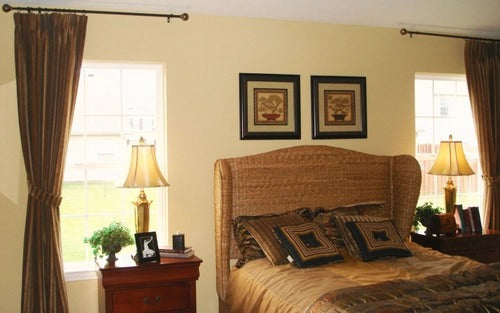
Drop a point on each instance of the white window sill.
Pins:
(80, 271)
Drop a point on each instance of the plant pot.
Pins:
(111, 257)
(271, 116)
(112, 254)
(339, 117)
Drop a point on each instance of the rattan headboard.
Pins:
(308, 176)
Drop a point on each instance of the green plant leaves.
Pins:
(109, 239)
(423, 214)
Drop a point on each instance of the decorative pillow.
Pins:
(262, 230)
(351, 244)
(323, 217)
(378, 239)
(307, 244)
(248, 246)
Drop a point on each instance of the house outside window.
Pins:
(116, 105)
(442, 107)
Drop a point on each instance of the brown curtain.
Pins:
(482, 65)
(48, 53)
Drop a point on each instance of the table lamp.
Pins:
(451, 161)
(144, 172)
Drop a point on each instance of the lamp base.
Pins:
(141, 213)
(450, 196)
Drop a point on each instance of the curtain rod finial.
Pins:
(184, 16)
(6, 8)
(403, 31)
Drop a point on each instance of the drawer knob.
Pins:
(148, 301)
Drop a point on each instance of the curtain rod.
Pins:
(184, 16)
(404, 31)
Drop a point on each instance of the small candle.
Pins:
(178, 242)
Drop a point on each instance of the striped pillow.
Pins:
(351, 244)
(248, 246)
(308, 245)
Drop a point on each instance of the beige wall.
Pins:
(202, 58)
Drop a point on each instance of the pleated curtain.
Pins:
(48, 55)
(482, 65)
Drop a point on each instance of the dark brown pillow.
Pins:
(248, 246)
(323, 217)
(262, 230)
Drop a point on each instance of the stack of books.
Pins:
(468, 219)
(169, 252)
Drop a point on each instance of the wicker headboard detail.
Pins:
(308, 176)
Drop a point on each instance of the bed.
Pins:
(261, 198)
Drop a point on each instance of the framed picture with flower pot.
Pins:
(269, 106)
(338, 107)
(147, 247)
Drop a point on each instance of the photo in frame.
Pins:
(338, 107)
(269, 106)
(147, 247)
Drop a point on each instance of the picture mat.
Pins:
(251, 85)
(322, 87)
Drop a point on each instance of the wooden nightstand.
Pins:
(167, 286)
(484, 247)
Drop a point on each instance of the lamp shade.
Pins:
(144, 170)
(451, 160)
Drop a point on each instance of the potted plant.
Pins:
(339, 106)
(109, 240)
(423, 215)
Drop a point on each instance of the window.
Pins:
(116, 105)
(442, 108)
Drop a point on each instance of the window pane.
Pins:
(139, 92)
(102, 91)
(73, 231)
(100, 125)
(423, 98)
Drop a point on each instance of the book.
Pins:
(468, 221)
(476, 219)
(169, 249)
(460, 218)
(177, 254)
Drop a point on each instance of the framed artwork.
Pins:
(147, 247)
(269, 106)
(338, 107)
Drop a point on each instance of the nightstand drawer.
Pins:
(166, 298)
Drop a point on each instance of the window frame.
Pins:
(438, 188)
(75, 271)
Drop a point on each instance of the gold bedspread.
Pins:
(260, 287)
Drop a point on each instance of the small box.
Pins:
(443, 224)
(178, 242)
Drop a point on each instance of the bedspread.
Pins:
(475, 290)
(260, 287)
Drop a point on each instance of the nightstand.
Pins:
(167, 286)
(484, 247)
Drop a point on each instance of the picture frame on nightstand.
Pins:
(147, 247)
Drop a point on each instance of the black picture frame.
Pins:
(147, 247)
(338, 105)
(269, 106)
